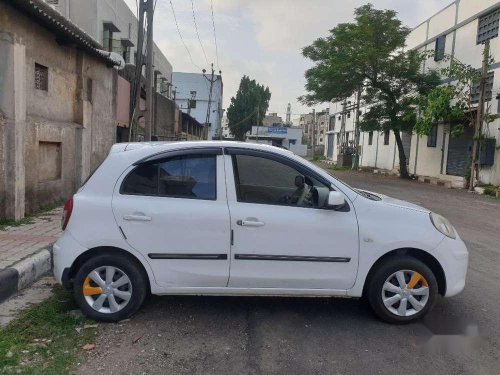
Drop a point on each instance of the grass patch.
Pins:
(29, 218)
(44, 340)
(490, 190)
(334, 167)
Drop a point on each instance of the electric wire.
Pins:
(180, 35)
(215, 35)
(197, 34)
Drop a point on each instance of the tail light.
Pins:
(68, 208)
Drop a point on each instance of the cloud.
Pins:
(263, 38)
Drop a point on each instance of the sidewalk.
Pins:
(25, 251)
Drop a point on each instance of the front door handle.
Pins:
(250, 223)
(137, 218)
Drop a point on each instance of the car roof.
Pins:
(147, 148)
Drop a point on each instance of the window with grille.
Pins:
(331, 124)
(386, 137)
(487, 26)
(439, 48)
(370, 138)
(487, 90)
(41, 77)
(432, 137)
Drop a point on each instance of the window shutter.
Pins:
(487, 26)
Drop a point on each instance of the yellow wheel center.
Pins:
(89, 290)
(415, 279)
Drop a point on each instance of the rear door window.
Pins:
(185, 176)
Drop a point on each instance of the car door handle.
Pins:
(137, 218)
(250, 223)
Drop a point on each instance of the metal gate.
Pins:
(406, 139)
(459, 153)
(329, 150)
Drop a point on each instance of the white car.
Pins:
(229, 218)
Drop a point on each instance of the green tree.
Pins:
(248, 107)
(369, 55)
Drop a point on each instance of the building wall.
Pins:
(52, 139)
(187, 82)
(90, 15)
(459, 22)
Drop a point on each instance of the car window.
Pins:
(266, 181)
(185, 176)
(190, 176)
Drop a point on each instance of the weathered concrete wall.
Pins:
(165, 119)
(50, 140)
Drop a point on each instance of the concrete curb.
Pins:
(24, 273)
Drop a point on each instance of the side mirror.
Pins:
(336, 200)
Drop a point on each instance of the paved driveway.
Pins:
(215, 335)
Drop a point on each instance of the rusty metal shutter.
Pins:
(459, 153)
(329, 151)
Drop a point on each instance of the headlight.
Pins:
(443, 225)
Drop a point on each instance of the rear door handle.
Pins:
(137, 218)
(250, 223)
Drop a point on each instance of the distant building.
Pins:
(226, 133)
(192, 92)
(281, 136)
(272, 119)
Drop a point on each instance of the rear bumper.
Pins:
(454, 258)
(65, 252)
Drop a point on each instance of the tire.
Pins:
(412, 269)
(117, 303)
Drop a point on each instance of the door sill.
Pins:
(276, 292)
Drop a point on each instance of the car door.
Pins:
(282, 239)
(173, 209)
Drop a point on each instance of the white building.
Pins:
(280, 136)
(454, 29)
(226, 133)
(192, 92)
(114, 25)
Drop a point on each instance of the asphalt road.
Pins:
(234, 335)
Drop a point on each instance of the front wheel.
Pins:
(109, 288)
(402, 290)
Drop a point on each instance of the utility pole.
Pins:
(355, 160)
(212, 81)
(314, 134)
(258, 124)
(146, 9)
(480, 110)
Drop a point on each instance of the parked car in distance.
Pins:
(229, 218)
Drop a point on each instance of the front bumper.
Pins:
(454, 258)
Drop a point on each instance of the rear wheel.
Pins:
(110, 288)
(402, 289)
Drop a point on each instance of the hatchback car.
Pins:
(228, 218)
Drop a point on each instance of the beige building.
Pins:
(57, 106)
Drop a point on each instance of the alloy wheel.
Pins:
(405, 293)
(107, 289)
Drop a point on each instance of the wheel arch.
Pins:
(101, 250)
(428, 259)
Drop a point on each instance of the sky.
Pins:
(261, 38)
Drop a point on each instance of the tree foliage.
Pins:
(369, 54)
(248, 107)
(453, 101)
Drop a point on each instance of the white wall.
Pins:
(187, 82)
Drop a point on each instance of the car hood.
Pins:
(397, 202)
